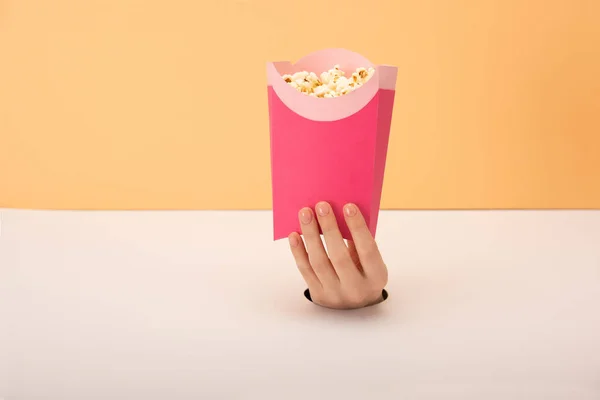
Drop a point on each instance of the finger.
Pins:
(301, 258)
(354, 255)
(314, 246)
(366, 248)
(338, 252)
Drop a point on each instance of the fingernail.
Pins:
(306, 216)
(323, 209)
(350, 210)
(294, 240)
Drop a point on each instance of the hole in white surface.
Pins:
(384, 294)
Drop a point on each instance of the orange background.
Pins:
(162, 104)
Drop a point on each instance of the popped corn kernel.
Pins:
(362, 73)
(320, 91)
(313, 78)
(325, 78)
(300, 75)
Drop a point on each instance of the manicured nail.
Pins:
(294, 242)
(323, 209)
(350, 210)
(306, 216)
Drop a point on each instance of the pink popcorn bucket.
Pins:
(328, 149)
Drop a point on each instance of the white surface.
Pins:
(203, 305)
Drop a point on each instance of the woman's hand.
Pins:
(350, 276)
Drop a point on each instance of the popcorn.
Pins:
(329, 84)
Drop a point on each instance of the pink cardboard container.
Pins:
(328, 149)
